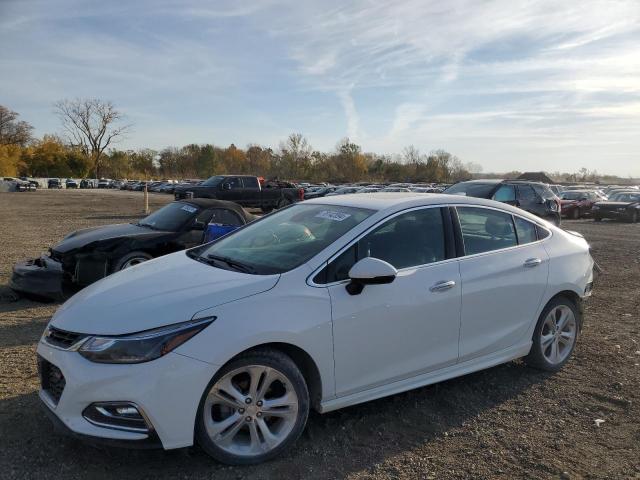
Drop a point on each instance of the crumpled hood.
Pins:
(84, 237)
(169, 289)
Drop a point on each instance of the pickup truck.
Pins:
(245, 190)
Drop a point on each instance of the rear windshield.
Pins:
(472, 189)
(283, 240)
(170, 218)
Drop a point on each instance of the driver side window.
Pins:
(408, 240)
(232, 183)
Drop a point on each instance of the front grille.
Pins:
(61, 338)
(51, 379)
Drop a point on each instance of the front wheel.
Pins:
(633, 216)
(254, 408)
(130, 260)
(555, 335)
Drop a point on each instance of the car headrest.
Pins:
(496, 227)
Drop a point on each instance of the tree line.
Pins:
(92, 128)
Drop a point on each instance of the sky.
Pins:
(509, 84)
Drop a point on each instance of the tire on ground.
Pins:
(269, 358)
(122, 261)
(536, 357)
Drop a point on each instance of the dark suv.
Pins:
(534, 197)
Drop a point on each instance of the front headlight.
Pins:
(142, 346)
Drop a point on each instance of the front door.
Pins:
(405, 328)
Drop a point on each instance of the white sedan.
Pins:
(325, 304)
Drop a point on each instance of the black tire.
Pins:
(597, 219)
(268, 358)
(575, 214)
(121, 264)
(633, 216)
(536, 357)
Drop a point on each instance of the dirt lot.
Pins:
(506, 422)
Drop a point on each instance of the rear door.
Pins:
(251, 196)
(528, 200)
(504, 276)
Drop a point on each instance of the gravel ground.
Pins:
(506, 422)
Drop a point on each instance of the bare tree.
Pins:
(92, 125)
(12, 131)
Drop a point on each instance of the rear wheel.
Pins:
(575, 214)
(555, 335)
(633, 216)
(254, 408)
(283, 202)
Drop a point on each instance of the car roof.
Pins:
(396, 201)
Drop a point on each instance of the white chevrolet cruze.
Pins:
(324, 304)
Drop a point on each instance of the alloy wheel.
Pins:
(250, 410)
(558, 334)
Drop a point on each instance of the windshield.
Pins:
(213, 181)
(572, 195)
(283, 240)
(471, 189)
(625, 197)
(171, 217)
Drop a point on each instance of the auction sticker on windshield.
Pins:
(189, 208)
(332, 215)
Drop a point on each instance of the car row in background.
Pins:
(85, 256)
(21, 184)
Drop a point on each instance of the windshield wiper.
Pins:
(241, 267)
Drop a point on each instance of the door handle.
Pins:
(442, 286)
(532, 262)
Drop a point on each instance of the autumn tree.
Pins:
(91, 125)
(13, 131)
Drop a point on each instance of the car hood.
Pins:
(167, 290)
(80, 238)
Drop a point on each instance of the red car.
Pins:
(577, 203)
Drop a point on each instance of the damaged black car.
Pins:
(87, 255)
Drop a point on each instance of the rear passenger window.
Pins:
(527, 193)
(484, 230)
(542, 232)
(250, 182)
(506, 193)
(526, 231)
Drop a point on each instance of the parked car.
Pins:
(87, 183)
(70, 183)
(622, 205)
(54, 183)
(577, 203)
(20, 185)
(344, 191)
(33, 184)
(104, 183)
(88, 255)
(533, 197)
(246, 190)
(318, 192)
(325, 304)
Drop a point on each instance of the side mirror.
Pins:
(370, 271)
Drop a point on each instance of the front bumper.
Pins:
(168, 390)
(610, 213)
(41, 278)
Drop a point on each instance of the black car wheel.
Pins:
(597, 219)
(130, 260)
(575, 214)
(633, 216)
